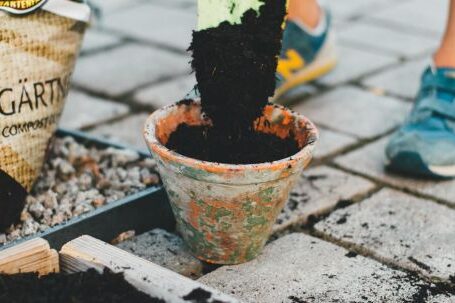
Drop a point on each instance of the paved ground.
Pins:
(359, 232)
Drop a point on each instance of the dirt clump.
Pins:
(235, 66)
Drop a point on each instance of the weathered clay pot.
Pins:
(226, 212)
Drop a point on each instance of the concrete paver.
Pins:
(127, 131)
(354, 63)
(95, 110)
(160, 24)
(331, 142)
(350, 8)
(96, 40)
(318, 191)
(400, 229)
(355, 112)
(162, 94)
(370, 160)
(402, 80)
(165, 249)
(383, 38)
(421, 15)
(107, 7)
(299, 268)
(125, 68)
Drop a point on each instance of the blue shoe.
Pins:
(425, 144)
(306, 55)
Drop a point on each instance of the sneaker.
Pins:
(425, 144)
(307, 54)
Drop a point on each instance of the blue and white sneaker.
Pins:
(307, 54)
(425, 144)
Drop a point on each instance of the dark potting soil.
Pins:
(210, 144)
(12, 200)
(87, 287)
(235, 65)
(235, 68)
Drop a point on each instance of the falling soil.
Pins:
(235, 65)
(87, 287)
(210, 144)
(235, 69)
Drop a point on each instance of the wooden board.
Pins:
(31, 256)
(87, 252)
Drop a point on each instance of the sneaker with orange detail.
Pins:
(307, 54)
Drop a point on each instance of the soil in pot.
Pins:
(78, 179)
(211, 144)
(89, 287)
(235, 68)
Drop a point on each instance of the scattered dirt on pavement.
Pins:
(164, 249)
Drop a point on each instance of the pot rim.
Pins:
(154, 144)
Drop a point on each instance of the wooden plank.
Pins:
(31, 256)
(87, 252)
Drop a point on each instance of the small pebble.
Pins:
(78, 179)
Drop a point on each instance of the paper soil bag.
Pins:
(39, 44)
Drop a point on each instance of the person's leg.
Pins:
(425, 144)
(306, 11)
(445, 56)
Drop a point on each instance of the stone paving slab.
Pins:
(165, 249)
(400, 229)
(349, 8)
(331, 142)
(369, 161)
(354, 63)
(164, 25)
(125, 68)
(298, 268)
(162, 94)
(318, 191)
(96, 40)
(356, 112)
(422, 15)
(94, 110)
(127, 131)
(390, 40)
(176, 3)
(107, 7)
(402, 80)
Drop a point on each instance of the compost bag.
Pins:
(39, 44)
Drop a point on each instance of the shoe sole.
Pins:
(443, 171)
(411, 164)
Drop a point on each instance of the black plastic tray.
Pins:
(141, 212)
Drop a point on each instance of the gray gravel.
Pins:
(76, 180)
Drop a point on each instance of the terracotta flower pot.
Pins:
(226, 212)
